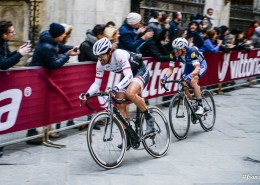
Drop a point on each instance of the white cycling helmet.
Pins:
(102, 46)
(179, 43)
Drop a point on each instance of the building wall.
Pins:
(221, 11)
(83, 15)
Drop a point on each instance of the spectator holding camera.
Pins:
(8, 58)
(49, 51)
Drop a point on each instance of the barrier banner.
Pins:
(34, 97)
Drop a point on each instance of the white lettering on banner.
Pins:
(11, 109)
(244, 66)
(156, 74)
(222, 72)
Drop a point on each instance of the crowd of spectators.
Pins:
(151, 39)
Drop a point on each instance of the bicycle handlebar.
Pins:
(171, 81)
(118, 101)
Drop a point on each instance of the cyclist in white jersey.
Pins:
(135, 77)
(195, 67)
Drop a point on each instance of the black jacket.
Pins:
(86, 53)
(156, 50)
(49, 53)
(8, 58)
(197, 39)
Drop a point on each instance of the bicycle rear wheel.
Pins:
(179, 116)
(157, 145)
(207, 121)
(103, 143)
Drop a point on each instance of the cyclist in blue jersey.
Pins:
(195, 67)
(135, 77)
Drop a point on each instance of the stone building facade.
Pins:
(30, 17)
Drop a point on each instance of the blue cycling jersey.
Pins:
(192, 57)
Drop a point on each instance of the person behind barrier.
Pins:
(131, 34)
(7, 58)
(135, 77)
(51, 53)
(195, 67)
(92, 36)
(209, 43)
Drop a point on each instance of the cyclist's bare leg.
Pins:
(196, 87)
(132, 92)
(122, 107)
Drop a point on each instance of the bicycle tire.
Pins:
(158, 144)
(103, 150)
(207, 121)
(179, 116)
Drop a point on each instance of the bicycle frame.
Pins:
(183, 94)
(113, 110)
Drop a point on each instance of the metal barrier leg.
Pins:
(219, 88)
(46, 141)
(250, 82)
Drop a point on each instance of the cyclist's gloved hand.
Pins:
(114, 90)
(84, 96)
(164, 79)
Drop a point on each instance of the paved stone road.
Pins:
(230, 154)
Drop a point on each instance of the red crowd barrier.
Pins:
(35, 97)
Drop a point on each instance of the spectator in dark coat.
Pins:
(193, 35)
(157, 48)
(154, 23)
(49, 51)
(174, 24)
(8, 58)
(131, 35)
(86, 53)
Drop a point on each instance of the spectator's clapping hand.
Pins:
(141, 30)
(231, 46)
(148, 35)
(24, 49)
(220, 42)
(72, 52)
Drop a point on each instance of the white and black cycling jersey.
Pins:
(122, 61)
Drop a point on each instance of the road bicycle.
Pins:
(104, 144)
(183, 107)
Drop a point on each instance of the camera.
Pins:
(75, 49)
(27, 42)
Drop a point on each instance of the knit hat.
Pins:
(133, 18)
(223, 29)
(56, 30)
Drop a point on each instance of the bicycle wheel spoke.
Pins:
(157, 144)
(208, 119)
(179, 117)
(103, 144)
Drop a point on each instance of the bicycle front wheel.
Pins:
(103, 143)
(179, 116)
(207, 121)
(157, 145)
